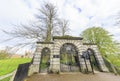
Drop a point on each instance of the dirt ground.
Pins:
(74, 77)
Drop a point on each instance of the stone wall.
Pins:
(55, 50)
(98, 56)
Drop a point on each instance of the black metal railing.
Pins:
(22, 71)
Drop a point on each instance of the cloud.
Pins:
(27, 2)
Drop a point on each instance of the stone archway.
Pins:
(93, 59)
(69, 61)
(55, 46)
(45, 60)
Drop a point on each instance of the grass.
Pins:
(6, 79)
(115, 63)
(9, 65)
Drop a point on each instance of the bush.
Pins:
(3, 54)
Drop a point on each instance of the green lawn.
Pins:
(6, 79)
(9, 65)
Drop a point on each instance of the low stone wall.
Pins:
(22, 72)
(33, 68)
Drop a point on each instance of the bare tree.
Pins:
(49, 20)
(64, 26)
(118, 19)
(26, 32)
(47, 25)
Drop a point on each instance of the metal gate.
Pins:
(69, 61)
(93, 60)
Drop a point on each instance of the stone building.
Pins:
(55, 55)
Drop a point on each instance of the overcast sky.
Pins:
(81, 14)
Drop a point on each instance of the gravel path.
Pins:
(74, 77)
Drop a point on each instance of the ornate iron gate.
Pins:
(69, 61)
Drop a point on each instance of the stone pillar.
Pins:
(89, 65)
(34, 67)
(81, 60)
(55, 61)
(51, 59)
(99, 59)
(83, 67)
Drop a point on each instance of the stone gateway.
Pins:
(66, 54)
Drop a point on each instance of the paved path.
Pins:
(99, 76)
(68, 68)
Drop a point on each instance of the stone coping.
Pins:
(45, 42)
(68, 38)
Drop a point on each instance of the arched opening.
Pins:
(45, 60)
(93, 59)
(69, 60)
